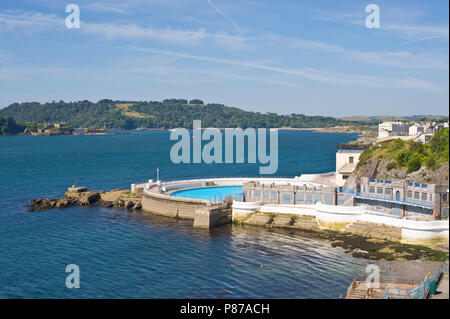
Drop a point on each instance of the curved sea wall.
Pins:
(157, 199)
(202, 212)
(242, 209)
(413, 231)
(338, 215)
(171, 206)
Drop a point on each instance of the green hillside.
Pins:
(170, 113)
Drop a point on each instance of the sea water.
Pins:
(127, 254)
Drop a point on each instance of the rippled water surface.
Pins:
(125, 254)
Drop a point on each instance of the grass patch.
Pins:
(127, 193)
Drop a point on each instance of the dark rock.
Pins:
(108, 204)
(91, 198)
(129, 204)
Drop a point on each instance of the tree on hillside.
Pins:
(8, 126)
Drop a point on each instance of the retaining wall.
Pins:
(172, 206)
(355, 220)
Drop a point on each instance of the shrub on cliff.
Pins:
(439, 145)
(410, 155)
(414, 163)
(391, 165)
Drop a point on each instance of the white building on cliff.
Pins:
(390, 128)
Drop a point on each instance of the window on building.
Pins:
(416, 195)
(300, 197)
(257, 193)
(445, 212)
(266, 195)
(345, 177)
(372, 180)
(371, 189)
(424, 196)
(379, 181)
(416, 185)
(379, 190)
(425, 186)
(328, 198)
(410, 184)
(444, 197)
(388, 181)
(286, 199)
(308, 197)
(409, 194)
(317, 198)
(274, 195)
(350, 159)
(431, 197)
(388, 191)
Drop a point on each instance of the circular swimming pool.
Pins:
(215, 193)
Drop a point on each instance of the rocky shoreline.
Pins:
(114, 198)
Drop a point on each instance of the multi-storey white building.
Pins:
(390, 128)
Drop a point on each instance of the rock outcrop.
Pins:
(375, 167)
(115, 198)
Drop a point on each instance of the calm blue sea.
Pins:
(125, 254)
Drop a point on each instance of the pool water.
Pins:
(209, 193)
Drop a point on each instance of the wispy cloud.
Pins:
(29, 22)
(304, 72)
(397, 21)
(426, 39)
(419, 30)
(109, 7)
(225, 16)
(18, 22)
(185, 37)
(397, 59)
(162, 68)
(32, 22)
(414, 33)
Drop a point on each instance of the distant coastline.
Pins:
(168, 114)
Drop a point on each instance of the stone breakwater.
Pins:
(114, 198)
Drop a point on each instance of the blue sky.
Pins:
(314, 57)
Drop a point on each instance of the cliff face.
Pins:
(410, 160)
(374, 167)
